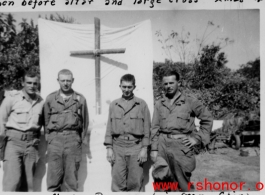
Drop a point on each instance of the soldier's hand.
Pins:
(110, 155)
(189, 141)
(142, 156)
(153, 155)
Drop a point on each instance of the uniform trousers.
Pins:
(127, 172)
(179, 162)
(64, 157)
(20, 155)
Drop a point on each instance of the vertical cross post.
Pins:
(96, 53)
(97, 65)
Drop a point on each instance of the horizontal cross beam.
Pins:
(96, 52)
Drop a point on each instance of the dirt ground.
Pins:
(226, 165)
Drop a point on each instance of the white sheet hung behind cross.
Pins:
(96, 54)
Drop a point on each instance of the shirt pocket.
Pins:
(116, 122)
(53, 115)
(163, 120)
(182, 120)
(22, 116)
(137, 123)
(71, 120)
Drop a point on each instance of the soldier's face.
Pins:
(31, 85)
(170, 84)
(65, 82)
(127, 88)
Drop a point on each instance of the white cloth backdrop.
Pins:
(58, 39)
(56, 42)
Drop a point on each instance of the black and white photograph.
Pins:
(119, 99)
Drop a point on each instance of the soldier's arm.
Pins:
(46, 111)
(155, 128)
(147, 125)
(5, 110)
(108, 136)
(206, 122)
(85, 117)
(41, 120)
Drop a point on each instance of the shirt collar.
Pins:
(57, 95)
(26, 96)
(130, 98)
(181, 98)
(133, 98)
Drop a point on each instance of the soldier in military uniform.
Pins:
(127, 138)
(66, 123)
(174, 135)
(20, 121)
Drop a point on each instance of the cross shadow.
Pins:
(41, 165)
(86, 154)
(23, 181)
(147, 167)
(106, 60)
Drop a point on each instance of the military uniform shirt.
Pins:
(179, 117)
(56, 104)
(17, 112)
(128, 117)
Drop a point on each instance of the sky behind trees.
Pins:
(241, 26)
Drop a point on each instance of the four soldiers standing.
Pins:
(65, 113)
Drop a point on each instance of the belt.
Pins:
(65, 132)
(174, 136)
(24, 136)
(128, 137)
(177, 136)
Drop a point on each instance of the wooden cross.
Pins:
(96, 53)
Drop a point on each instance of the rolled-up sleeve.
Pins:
(206, 122)
(155, 128)
(108, 136)
(147, 125)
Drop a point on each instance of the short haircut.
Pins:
(65, 72)
(128, 78)
(31, 74)
(172, 73)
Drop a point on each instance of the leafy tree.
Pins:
(209, 67)
(225, 91)
(251, 70)
(10, 21)
(19, 51)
